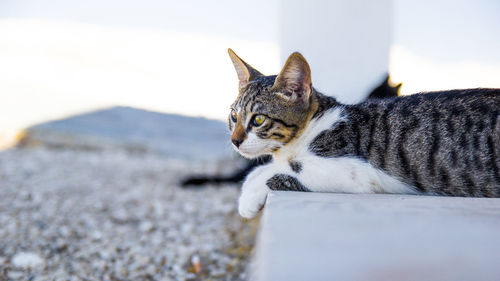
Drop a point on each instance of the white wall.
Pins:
(345, 42)
(446, 44)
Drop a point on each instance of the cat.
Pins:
(437, 143)
(384, 90)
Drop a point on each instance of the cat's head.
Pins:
(270, 111)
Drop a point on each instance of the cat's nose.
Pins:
(237, 142)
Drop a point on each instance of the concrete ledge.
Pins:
(320, 236)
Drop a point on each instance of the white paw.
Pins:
(254, 191)
(251, 201)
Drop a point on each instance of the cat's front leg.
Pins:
(260, 182)
(254, 191)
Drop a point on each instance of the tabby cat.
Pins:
(438, 143)
(385, 90)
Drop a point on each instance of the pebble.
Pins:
(15, 274)
(196, 263)
(146, 226)
(27, 260)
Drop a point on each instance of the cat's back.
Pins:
(440, 142)
(446, 102)
(453, 111)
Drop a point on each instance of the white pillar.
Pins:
(346, 43)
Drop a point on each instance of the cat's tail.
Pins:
(237, 177)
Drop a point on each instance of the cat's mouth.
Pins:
(254, 150)
(248, 155)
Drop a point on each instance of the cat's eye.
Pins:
(259, 119)
(234, 117)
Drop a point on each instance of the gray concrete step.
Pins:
(324, 236)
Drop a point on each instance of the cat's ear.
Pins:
(245, 72)
(294, 80)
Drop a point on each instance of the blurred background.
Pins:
(82, 80)
(59, 58)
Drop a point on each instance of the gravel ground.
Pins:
(114, 215)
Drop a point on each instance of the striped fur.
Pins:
(445, 143)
